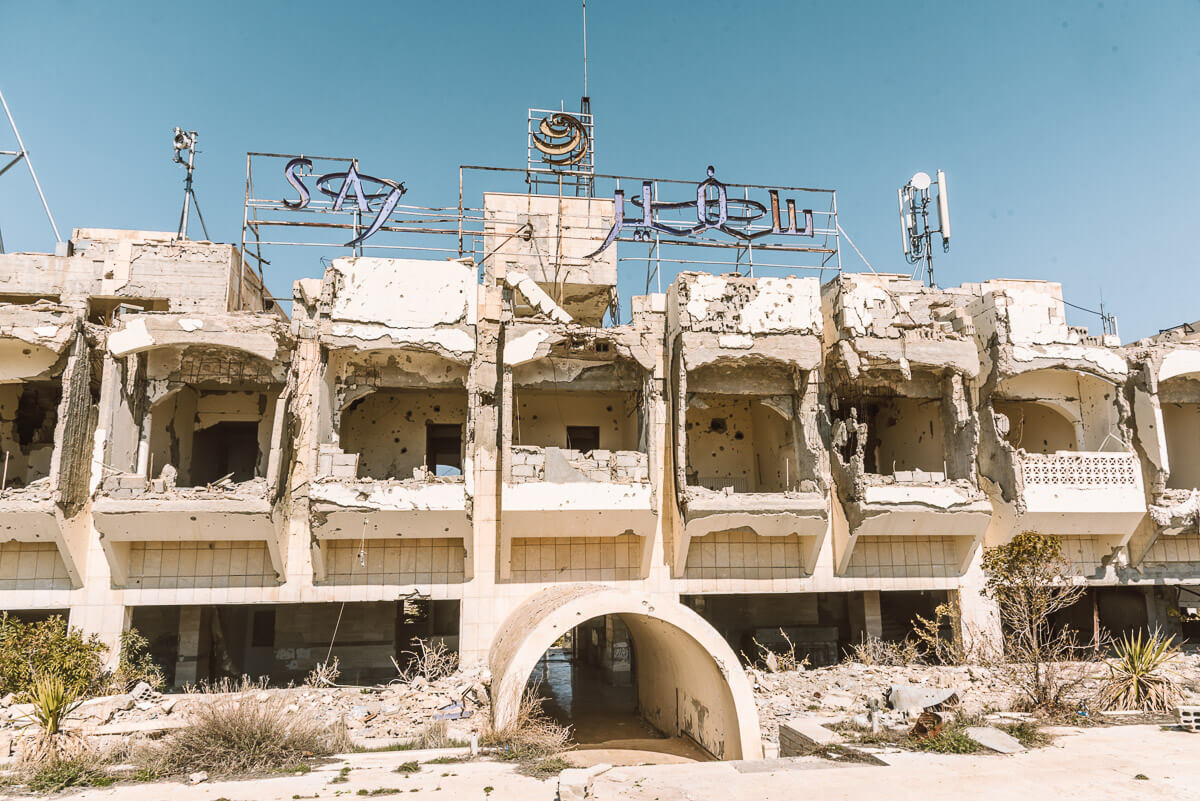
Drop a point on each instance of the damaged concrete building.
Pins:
(460, 450)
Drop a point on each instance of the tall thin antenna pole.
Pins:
(585, 86)
(25, 154)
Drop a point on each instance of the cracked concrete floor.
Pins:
(1100, 763)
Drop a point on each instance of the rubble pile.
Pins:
(374, 716)
(850, 689)
(41, 489)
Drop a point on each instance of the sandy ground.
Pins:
(1100, 763)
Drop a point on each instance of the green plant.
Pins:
(1029, 578)
(1139, 675)
(52, 699)
(56, 774)
(545, 768)
(1026, 733)
(136, 664)
(950, 740)
(48, 646)
(447, 760)
(408, 767)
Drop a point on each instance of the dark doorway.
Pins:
(229, 448)
(583, 438)
(443, 448)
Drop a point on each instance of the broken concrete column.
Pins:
(192, 664)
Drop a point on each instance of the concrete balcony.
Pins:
(129, 509)
(915, 504)
(1090, 494)
(347, 507)
(30, 515)
(555, 492)
(708, 510)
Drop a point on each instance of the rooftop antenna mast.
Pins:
(17, 155)
(585, 102)
(186, 141)
(916, 236)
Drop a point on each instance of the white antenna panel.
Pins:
(904, 224)
(943, 202)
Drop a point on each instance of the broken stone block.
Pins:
(903, 697)
(995, 739)
(800, 735)
(575, 784)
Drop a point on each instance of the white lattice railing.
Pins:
(1088, 470)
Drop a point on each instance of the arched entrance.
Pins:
(689, 681)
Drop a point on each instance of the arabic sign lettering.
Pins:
(352, 183)
(714, 210)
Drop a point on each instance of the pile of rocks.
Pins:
(374, 716)
(850, 688)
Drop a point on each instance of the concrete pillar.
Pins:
(489, 395)
(866, 620)
(618, 664)
(980, 617)
(192, 661)
(106, 621)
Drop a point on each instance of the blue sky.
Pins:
(1069, 130)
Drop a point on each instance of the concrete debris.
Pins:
(536, 296)
(995, 739)
(374, 716)
(197, 777)
(799, 735)
(575, 784)
(905, 697)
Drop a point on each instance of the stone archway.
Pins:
(689, 681)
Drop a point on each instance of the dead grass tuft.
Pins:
(532, 736)
(873, 651)
(237, 733)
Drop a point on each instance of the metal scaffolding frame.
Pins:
(458, 231)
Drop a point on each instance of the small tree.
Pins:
(1029, 579)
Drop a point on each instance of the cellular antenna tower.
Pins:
(915, 234)
(184, 143)
(21, 154)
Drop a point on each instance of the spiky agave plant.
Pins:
(1139, 674)
(53, 699)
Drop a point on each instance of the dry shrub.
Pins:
(778, 658)
(929, 635)
(1140, 676)
(325, 674)
(532, 736)
(434, 734)
(874, 652)
(431, 660)
(1031, 579)
(237, 733)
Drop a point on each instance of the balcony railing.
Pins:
(1080, 470)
